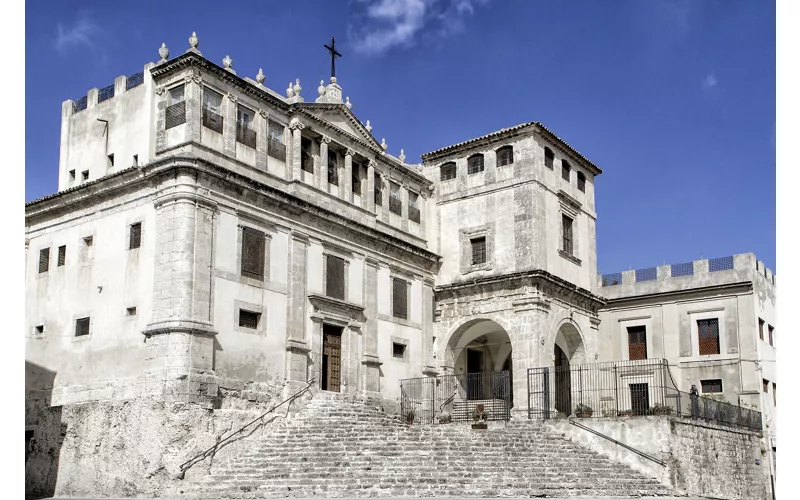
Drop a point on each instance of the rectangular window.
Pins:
(135, 160)
(565, 169)
(356, 179)
(398, 350)
(399, 298)
(334, 277)
(248, 319)
(548, 158)
(765, 385)
(711, 386)
(135, 236)
(581, 182)
(175, 113)
(212, 114)
(770, 329)
(130, 311)
(478, 250)
(378, 189)
(566, 234)
(81, 327)
(708, 336)
(85, 175)
(245, 133)
(253, 249)
(413, 209)
(44, 260)
(86, 249)
(640, 398)
(395, 204)
(275, 145)
(475, 164)
(637, 342)
(774, 394)
(447, 171)
(62, 255)
(761, 328)
(505, 156)
(306, 155)
(333, 168)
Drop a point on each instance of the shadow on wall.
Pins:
(44, 432)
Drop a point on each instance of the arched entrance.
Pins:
(568, 350)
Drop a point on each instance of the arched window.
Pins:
(565, 168)
(475, 164)
(548, 158)
(448, 171)
(581, 182)
(505, 156)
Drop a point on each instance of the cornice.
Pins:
(744, 286)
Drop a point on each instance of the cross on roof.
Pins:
(334, 55)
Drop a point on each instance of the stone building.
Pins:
(216, 243)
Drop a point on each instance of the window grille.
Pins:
(105, 93)
(80, 104)
(81, 327)
(648, 274)
(135, 236)
(581, 182)
(505, 156)
(565, 170)
(378, 190)
(770, 329)
(548, 158)
(760, 328)
(720, 264)
(447, 171)
(175, 115)
(566, 234)
(212, 103)
(134, 80)
(44, 260)
(399, 298)
(398, 350)
(612, 279)
(478, 250)
(275, 145)
(248, 319)
(356, 179)
(708, 336)
(395, 204)
(253, 247)
(684, 269)
(62, 255)
(333, 168)
(306, 157)
(413, 209)
(640, 398)
(713, 385)
(637, 342)
(245, 133)
(334, 277)
(475, 164)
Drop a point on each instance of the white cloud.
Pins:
(82, 32)
(710, 81)
(389, 23)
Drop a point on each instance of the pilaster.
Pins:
(229, 125)
(371, 186)
(321, 177)
(193, 91)
(66, 114)
(370, 359)
(404, 211)
(262, 121)
(385, 199)
(348, 175)
(296, 127)
(427, 324)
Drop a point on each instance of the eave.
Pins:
(740, 286)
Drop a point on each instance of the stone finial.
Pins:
(383, 144)
(333, 79)
(348, 103)
(290, 90)
(228, 63)
(368, 127)
(163, 52)
(260, 76)
(297, 87)
(194, 42)
(402, 156)
(321, 88)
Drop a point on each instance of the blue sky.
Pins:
(673, 99)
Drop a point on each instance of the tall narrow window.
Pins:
(413, 207)
(135, 236)
(581, 182)
(637, 342)
(253, 249)
(110, 161)
(62, 255)
(306, 155)
(378, 189)
(761, 328)
(44, 260)
(334, 277)
(566, 234)
(565, 170)
(356, 179)
(478, 250)
(395, 204)
(505, 156)
(774, 394)
(275, 145)
(475, 164)
(708, 336)
(175, 113)
(82, 327)
(399, 298)
(765, 385)
(447, 171)
(548, 158)
(212, 110)
(770, 329)
(333, 168)
(245, 133)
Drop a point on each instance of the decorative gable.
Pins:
(342, 118)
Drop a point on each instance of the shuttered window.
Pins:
(637, 342)
(566, 234)
(135, 236)
(548, 158)
(44, 260)
(334, 277)
(62, 255)
(475, 164)
(708, 336)
(413, 207)
(565, 170)
(581, 182)
(253, 253)
(399, 298)
(395, 204)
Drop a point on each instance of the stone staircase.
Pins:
(341, 447)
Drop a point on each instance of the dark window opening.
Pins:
(581, 182)
(505, 156)
(770, 329)
(40, 329)
(637, 342)
(478, 250)
(398, 350)
(245, 132)
(548, 158)
(565, 170)
(395, 204)
(62, 255)
(275, 145)
(399, 298)
(81, 327)
(306, 155)
(761, 328)
(774, 392)
(85, 175)
(413, 209)
(708, 336)
(135, 160)
(475, 164)
(640, 399)
(72, 175)
(378, 190)
(334, 277)
(111, 160)
(253, 249)
(711, 386)
(447, 171)
(212, 105)
(135, 236)
(356, 179)
(131, 311)
(44, 260)
(333, 168)
(566, 234)
(765, 385)
(248, 319)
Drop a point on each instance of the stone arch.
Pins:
(567, 335)
(456, 334)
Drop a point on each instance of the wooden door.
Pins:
(331, 358)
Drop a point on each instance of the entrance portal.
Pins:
(331, 358)
(563, 382)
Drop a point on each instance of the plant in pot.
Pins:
(583, 411)
(660, 409)
(410, 417)
(625, 413)
(479, 416)
(445, 418)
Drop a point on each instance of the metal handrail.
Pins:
(640, 453)
(212, 450)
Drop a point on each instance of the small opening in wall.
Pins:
(85, 175)
(711, 386)
(111, 160)
(39, 329)
(131, 311)
(135, 160)
(248, 319)
(72, 175)
(398, 350)
(81, 327)
(87, 241)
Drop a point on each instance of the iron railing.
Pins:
(105, 93)
(454, 398)
(212, 120)
(612, 279)
(720, 264)
(175, 115)
(245, 134)
(622, 389)
(134, 80)
(276, 149)
(647, 274)
(683, 269)
(80, 104)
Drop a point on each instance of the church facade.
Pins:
(217, 243)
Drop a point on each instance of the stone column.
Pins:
(370, 358)
(262, 120)
(370, 194)
(193, 95)
(180, 336)
(229, 125)
(385, 193)
(296, 345)
(322, 178)
(348, 175)
(297, 133)
(404, 211)
(427, 325)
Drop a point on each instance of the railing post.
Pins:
(694, 397)
(616, 390)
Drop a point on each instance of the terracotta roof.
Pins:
(80, 186)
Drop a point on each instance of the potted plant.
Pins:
(583, 411)
(410, 417)
(479, 416)
(625, 413)
(660, 409)
(445, 418)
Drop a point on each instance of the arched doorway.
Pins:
(568, 350)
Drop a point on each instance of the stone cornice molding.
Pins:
(190, 327)
(168, 196)
(566, 198)
(296, 124)
(371, 360)
(325, 139)
(297, 346)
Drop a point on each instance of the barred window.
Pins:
(176, 107)
(334, 277)
(253, 248)
(275, 145)
(398, 350)
(505, 156)
(475, 164)
(44, 260)
(566, 234)
(548, 158)
(212, 105)
(135, 236)
(478, 250)
(82, 327)
(399, 298)
(249, 319)
(333, 168)
(62, 255)
(306, 155)
(565, 170)
(447, 171)
(770, 329)
(395, 204)
(637, 342)
(708, 336)
(356, 179)
(581, 182)
(760, 328)
(245, 133)
(378, 189)
(713, 385)
(413, 208)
